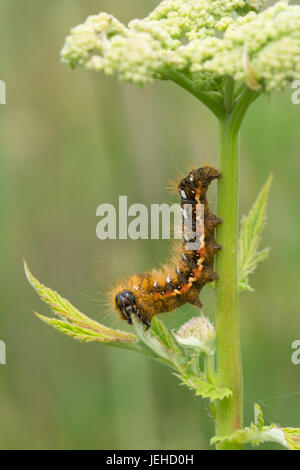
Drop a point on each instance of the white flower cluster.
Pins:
(87, 43)
(267, 45)
(206, 40)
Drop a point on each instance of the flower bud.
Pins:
(198, 333)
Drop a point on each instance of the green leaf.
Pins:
(159, 330)
(252, 435)
(203, 388)
(74, 323)
(257, 433)
(158, 343)
(250, 237)
(151, 341)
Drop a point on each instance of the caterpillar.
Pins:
(148, 294)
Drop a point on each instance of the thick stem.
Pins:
(229, 412)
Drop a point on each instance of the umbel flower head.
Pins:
(203, 40)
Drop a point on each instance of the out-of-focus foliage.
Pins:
(71, 141)
(251, 229)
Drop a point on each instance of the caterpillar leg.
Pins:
(212, 221)
(196, 301)
(208, 275)
(215, 220)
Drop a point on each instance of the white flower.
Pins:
(198, 333)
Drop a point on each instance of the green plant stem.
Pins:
(229, 412)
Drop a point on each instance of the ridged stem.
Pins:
(229, 412)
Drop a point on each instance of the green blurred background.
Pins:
(71, 140)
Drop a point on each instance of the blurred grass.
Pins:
(72, 140)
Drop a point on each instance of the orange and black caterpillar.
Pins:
(164, 290)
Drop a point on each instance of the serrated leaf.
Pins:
(159, 330)
(257, 434)
(250, 237)
(203, 388)
(84, 335)
(74, 323)
(252, 435)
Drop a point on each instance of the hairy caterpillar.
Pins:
(164, 290)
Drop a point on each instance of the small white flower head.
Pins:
(204, 40)
(88, 41)
(198, 333)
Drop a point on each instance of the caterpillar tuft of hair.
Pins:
(148, 294)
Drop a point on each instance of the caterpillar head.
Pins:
(127, 304)
(197, 180)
